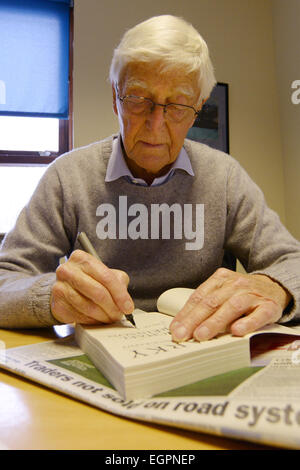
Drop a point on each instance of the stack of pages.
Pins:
(144, 361)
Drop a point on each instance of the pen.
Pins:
(88, 247)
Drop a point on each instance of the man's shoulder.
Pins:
(204, 156)
(204, 150)
(95, 153)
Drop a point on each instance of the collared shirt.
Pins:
(117, 166)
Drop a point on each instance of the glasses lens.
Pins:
(140, 105)
(136, 104)
(178, 112)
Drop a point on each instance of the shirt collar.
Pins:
(118, 168)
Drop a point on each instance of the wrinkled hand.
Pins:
(240, 303)
(87, 291)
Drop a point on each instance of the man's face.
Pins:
(151, 141)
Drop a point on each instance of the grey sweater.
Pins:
(73, 196)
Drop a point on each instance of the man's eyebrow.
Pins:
(133, 83)
(185, 90)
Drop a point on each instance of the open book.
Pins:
(144, 361)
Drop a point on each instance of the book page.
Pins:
(150, 342)
(277, 328)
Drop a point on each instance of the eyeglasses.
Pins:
(138, 105)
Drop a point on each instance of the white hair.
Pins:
(169, 40)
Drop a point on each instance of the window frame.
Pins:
(12, 157)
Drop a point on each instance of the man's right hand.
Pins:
(87, 291)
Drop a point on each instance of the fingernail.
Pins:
(179, 333)
(128, 307)
(202, 333)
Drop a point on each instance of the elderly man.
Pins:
(161, 74)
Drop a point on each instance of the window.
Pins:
(35, 79)
(33, 140)
(36, 37)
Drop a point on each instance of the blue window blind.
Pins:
(34, 58)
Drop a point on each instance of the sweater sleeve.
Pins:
(255, 234)
(30, 254)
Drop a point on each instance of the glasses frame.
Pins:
(164, 106)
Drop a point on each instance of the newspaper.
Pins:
(260, 403)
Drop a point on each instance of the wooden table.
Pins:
(34, 417)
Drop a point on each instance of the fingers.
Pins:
(210, 294)
(70, 306)
(220, 302)
(256, 313)
(205, 301)
(88, 289)
(64, 311)
(267, 313)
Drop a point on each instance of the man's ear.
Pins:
(202, 104)
(199, 109)
(114, 96)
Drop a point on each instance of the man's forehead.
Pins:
(179, 83)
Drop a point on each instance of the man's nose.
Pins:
(156, 118)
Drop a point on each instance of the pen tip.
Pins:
(131, 319)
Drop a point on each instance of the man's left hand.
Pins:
(230, 301)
